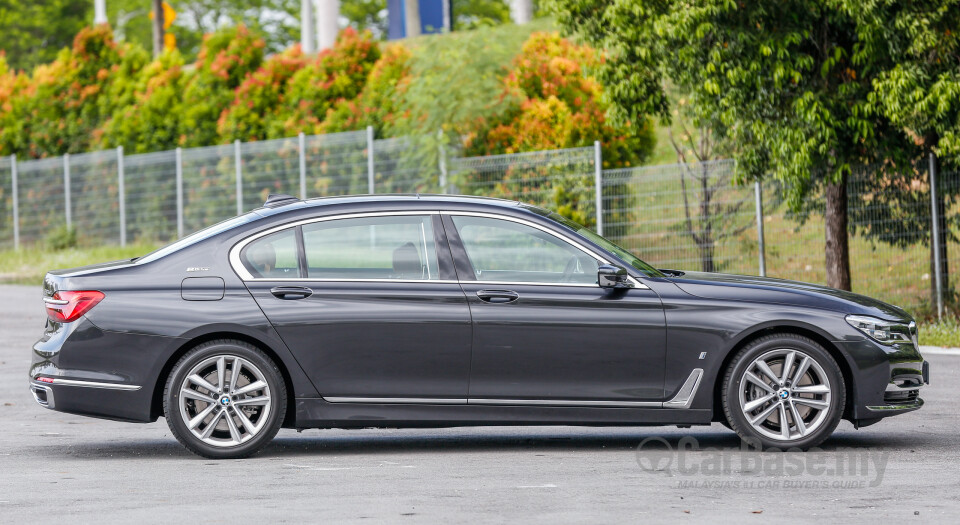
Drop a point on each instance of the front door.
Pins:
(368, 305)
(543, 330)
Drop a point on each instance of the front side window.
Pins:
(400, 247)
(510, 252)
(273, 256)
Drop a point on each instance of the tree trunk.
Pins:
(521, 11)
(837, 247)
(944, 263)
(157, 28)
(412, 12)
(706, 226)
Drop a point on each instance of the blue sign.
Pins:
(435, 17)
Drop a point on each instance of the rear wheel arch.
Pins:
(156, 401)
(841, 359)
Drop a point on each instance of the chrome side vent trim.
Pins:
(684, 396)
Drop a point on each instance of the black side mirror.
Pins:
(609, 276)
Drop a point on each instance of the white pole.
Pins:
(99, 12)
(179, 168)
(238, 165)
(67, 206)
(411, 11)
(328, 23)
(935, 216)
(758, 189)
(442, 161)
(16, 203)
(371, 182)
(598, 183)
(302, 140)
(307, 38)
(521, 11)
(121, 197)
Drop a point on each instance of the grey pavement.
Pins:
(55, 466)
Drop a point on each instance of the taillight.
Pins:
(67, 307)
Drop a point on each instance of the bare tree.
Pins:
(713, 221)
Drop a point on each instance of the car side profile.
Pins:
(439, 311)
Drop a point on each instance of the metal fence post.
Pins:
(121, 197)
(598, 183)
(442, 161)
(67, 207)
(179, 167)
(935, 216)
(371, 187)
(758, 189)
(16, 203)
(238, 164)
(302, 142)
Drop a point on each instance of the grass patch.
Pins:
(940, 333)
(28, 265)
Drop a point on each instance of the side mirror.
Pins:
(609, 276)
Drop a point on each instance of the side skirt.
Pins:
(319, 413)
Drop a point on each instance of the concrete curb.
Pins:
(939, 350)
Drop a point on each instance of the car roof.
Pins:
(393, 200)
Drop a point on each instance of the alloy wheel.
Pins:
(225, 400)
(785, 394)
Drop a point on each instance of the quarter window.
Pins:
(506, 251)
(273, 256)
(399, 247)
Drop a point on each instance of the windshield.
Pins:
(611, 247)
(196, 237)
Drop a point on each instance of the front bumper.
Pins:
(887, 379)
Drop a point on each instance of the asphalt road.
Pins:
(54, 466)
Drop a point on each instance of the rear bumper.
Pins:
(115, 401)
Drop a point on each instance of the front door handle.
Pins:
(498, 296)
(291, 292)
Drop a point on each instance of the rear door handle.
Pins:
(291, 292)
(498, 296)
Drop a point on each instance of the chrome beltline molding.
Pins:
(87, 384)
(682, 400)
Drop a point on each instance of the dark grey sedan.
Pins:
(435, 311)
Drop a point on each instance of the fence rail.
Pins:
(689, 217)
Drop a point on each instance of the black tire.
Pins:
(275, 407)
(734, 384)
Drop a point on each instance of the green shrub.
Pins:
(61, 238)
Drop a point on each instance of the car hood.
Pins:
(781, 291)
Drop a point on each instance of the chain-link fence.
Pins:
(686, 217)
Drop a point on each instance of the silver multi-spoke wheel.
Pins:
(785, 394)
(225, 400)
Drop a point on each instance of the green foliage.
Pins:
(366, 15)
(335, 75)
(34, 32)
(225, 60)
(61, 238)
(471, 14)
(378, 105)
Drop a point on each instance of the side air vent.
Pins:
(275, 200)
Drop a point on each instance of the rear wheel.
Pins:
(224, 399)
(784, 391)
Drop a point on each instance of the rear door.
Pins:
(368, 304)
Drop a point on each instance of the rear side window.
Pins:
(274, 256)
(400, 247)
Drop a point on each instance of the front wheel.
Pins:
(784, 391)
(224, 399)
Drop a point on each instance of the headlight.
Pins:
(886, 332)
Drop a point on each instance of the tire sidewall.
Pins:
(733, 379)
(171, 399)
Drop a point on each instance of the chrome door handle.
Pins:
(291, 292)
(498, 296)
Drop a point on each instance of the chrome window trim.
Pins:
(562, 237)
(242, 272)
(244, 275)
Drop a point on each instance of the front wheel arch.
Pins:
(834, 352)
(156, 401)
